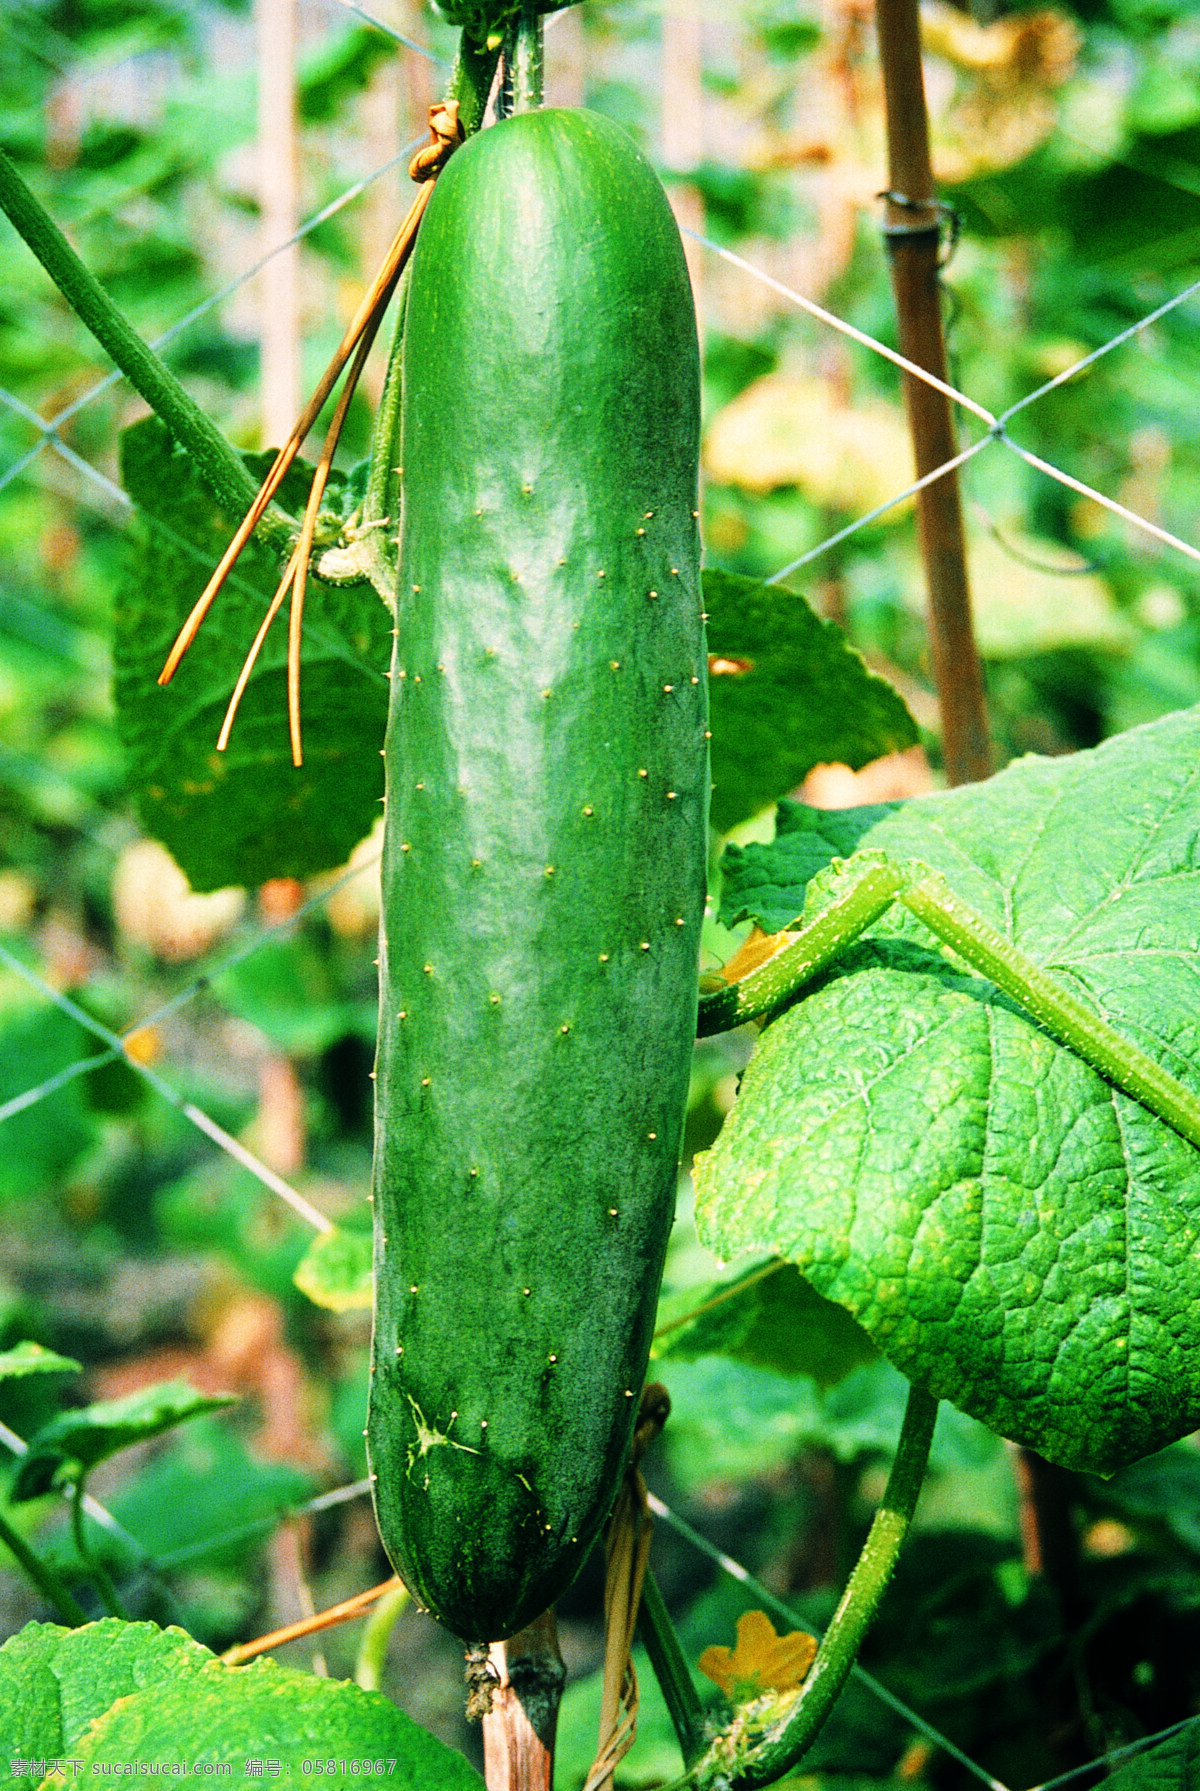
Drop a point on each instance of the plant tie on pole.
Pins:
(948, 221)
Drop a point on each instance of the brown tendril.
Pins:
(445, 136)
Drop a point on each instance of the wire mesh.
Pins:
(995, 436)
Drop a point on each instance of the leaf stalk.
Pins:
(216, 460)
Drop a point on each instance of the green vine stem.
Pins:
(925, 893)
(1064, 1016)
(661, 1642)
(42, 1576)
(217, 462)
(728, 1763)
(526, 59)
(95, 1569)
(377, 1633)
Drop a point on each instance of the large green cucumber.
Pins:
(546, 820)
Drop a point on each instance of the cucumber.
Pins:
(544, 860)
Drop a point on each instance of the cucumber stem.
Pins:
(525, 57)
(662, 1644)
(217, 462)
(728, 1764)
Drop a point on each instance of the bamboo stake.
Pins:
(518, 1730)
(683, 124)
(279, 282)
(912, 232)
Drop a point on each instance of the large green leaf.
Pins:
(281, 1717)
(786, 692)
(246, 814)
(1013, 1233)
(114, 1692)
(768, 1316)
(1171, 1766)
(55, 1681)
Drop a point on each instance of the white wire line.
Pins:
(229, 1144)
(198, 985)
(844, 328)
(861, 522)
(18, 1446)
(49, 438)
(1125, 335)
(997, 425)
(1089, 491)
(410, 43)
(46, 428)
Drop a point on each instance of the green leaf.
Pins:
(786, 692)
(114, 1692)
(336, 1271)
(74, 1442)
(34, 1358)
(1171, 1766)
(1014, 1234)
(223, 1715)
(247, 814)
(772, 1320)
(55, 1681)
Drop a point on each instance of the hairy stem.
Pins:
(1067, 1019)
(925, 893)
(730, 1764)
(526, 59)
(43, 1577)
(814, 947)
(217, 462)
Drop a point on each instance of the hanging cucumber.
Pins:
(547, 798)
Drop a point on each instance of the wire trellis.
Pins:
(996, 430)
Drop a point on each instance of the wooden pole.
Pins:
(518, 1730)
(912, 231)
(682, 135)
(279, 290)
